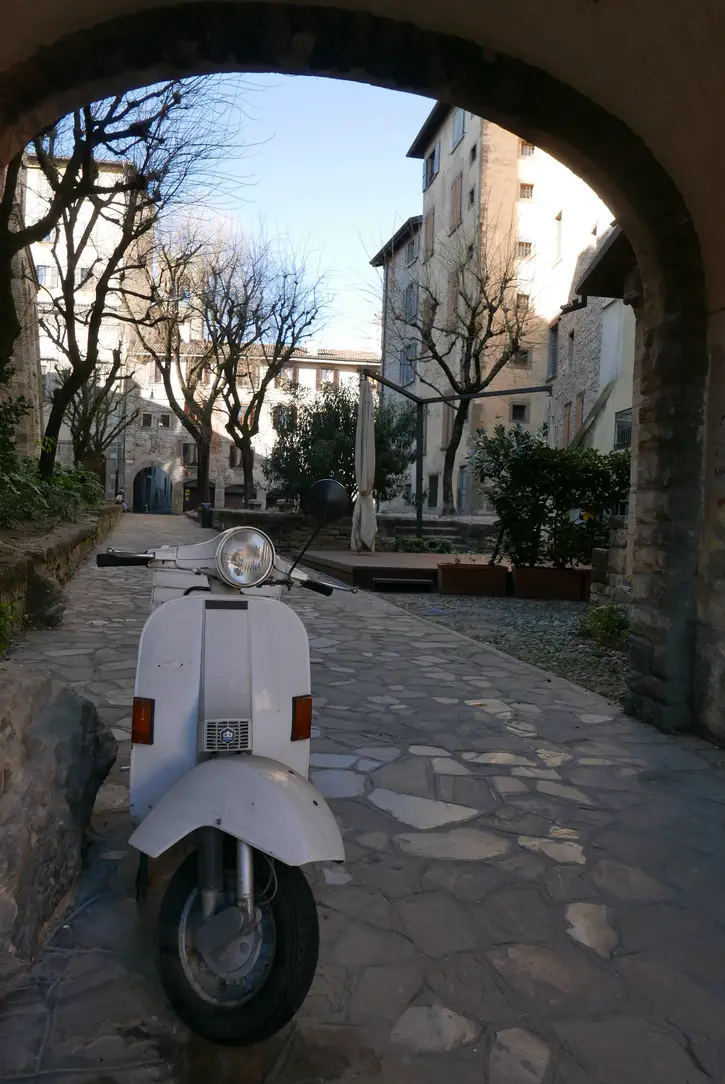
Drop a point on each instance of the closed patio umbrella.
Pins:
(364, 524)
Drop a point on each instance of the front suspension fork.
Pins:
(210, 867)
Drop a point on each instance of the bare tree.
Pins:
(99, 412)
(259, 307)
(157, 148)
(165, 311)
(465, 319)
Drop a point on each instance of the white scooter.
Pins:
(222, 717)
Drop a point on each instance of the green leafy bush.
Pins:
(424, 545)
(607, 625)
(25, 498)
(553, 504)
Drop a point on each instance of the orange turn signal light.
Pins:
(142, 721)
(301, 718)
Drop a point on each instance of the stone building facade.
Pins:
(591, 364)
(485, 191)
(155, 461)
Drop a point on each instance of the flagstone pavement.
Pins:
(533, 891)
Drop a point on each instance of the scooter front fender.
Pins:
(257, 800)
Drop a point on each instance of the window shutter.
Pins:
(437, 157)
(457, 201)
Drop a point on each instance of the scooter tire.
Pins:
(291, 973)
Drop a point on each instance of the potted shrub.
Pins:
(553, 506)
(467, 574)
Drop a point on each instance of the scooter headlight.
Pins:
(245, 557)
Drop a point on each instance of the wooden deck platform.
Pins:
(380, 571)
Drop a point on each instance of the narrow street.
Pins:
(533, 889)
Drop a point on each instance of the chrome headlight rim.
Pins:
(260, 537)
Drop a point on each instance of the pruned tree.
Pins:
(149, 151)
(99, 412)
(460, 325)
(259, 307)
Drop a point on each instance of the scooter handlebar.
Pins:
(116, 559)
(320, 588)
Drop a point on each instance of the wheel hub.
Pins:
(236, 959)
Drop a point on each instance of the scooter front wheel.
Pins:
(256, 985)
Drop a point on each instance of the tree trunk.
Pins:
(9, 323)
(203, 467)
(49, 446)
(449, 504)
(248, 469)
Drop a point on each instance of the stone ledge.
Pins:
(54, 755)
(30, 578)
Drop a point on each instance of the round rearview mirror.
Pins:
(327, 501)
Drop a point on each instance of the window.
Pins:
(235, 457)
(520, 413)
(189, 455)
(145, 421)
(526, 149)
(165, 421)
(522, 358)
(406, 364)
(557, 237)
(570, 352)
(459, 127)
(48, 276)
(283, 416)
(567, 423)
(158, 374)
(84, 274)
(431, 166)
(411, 251)
(525, 248)
(522, 302)
(579, 412)
(553, 362)
(429, 225)
(326, 376)
(470, 253)
(446, 425)
(432, 490)
(623, 430)
(474, 154)
(471, 197)
(410, 302)
(457, 202)
(526, 191)
(452, 300)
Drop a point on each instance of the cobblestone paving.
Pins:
(533, 891)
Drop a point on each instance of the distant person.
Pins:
(120, 499)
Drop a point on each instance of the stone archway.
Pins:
(198, 37)
(152, 491)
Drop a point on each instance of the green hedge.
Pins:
(25, 498)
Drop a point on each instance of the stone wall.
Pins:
(54, 755)
(290, 531)
(31, 574)
(610, 582)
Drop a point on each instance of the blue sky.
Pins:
(329, 172)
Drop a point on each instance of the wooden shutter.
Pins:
(429, 235)
(457, 202)
(452, 299)
(579, 414)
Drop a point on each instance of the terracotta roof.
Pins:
(198, 347)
